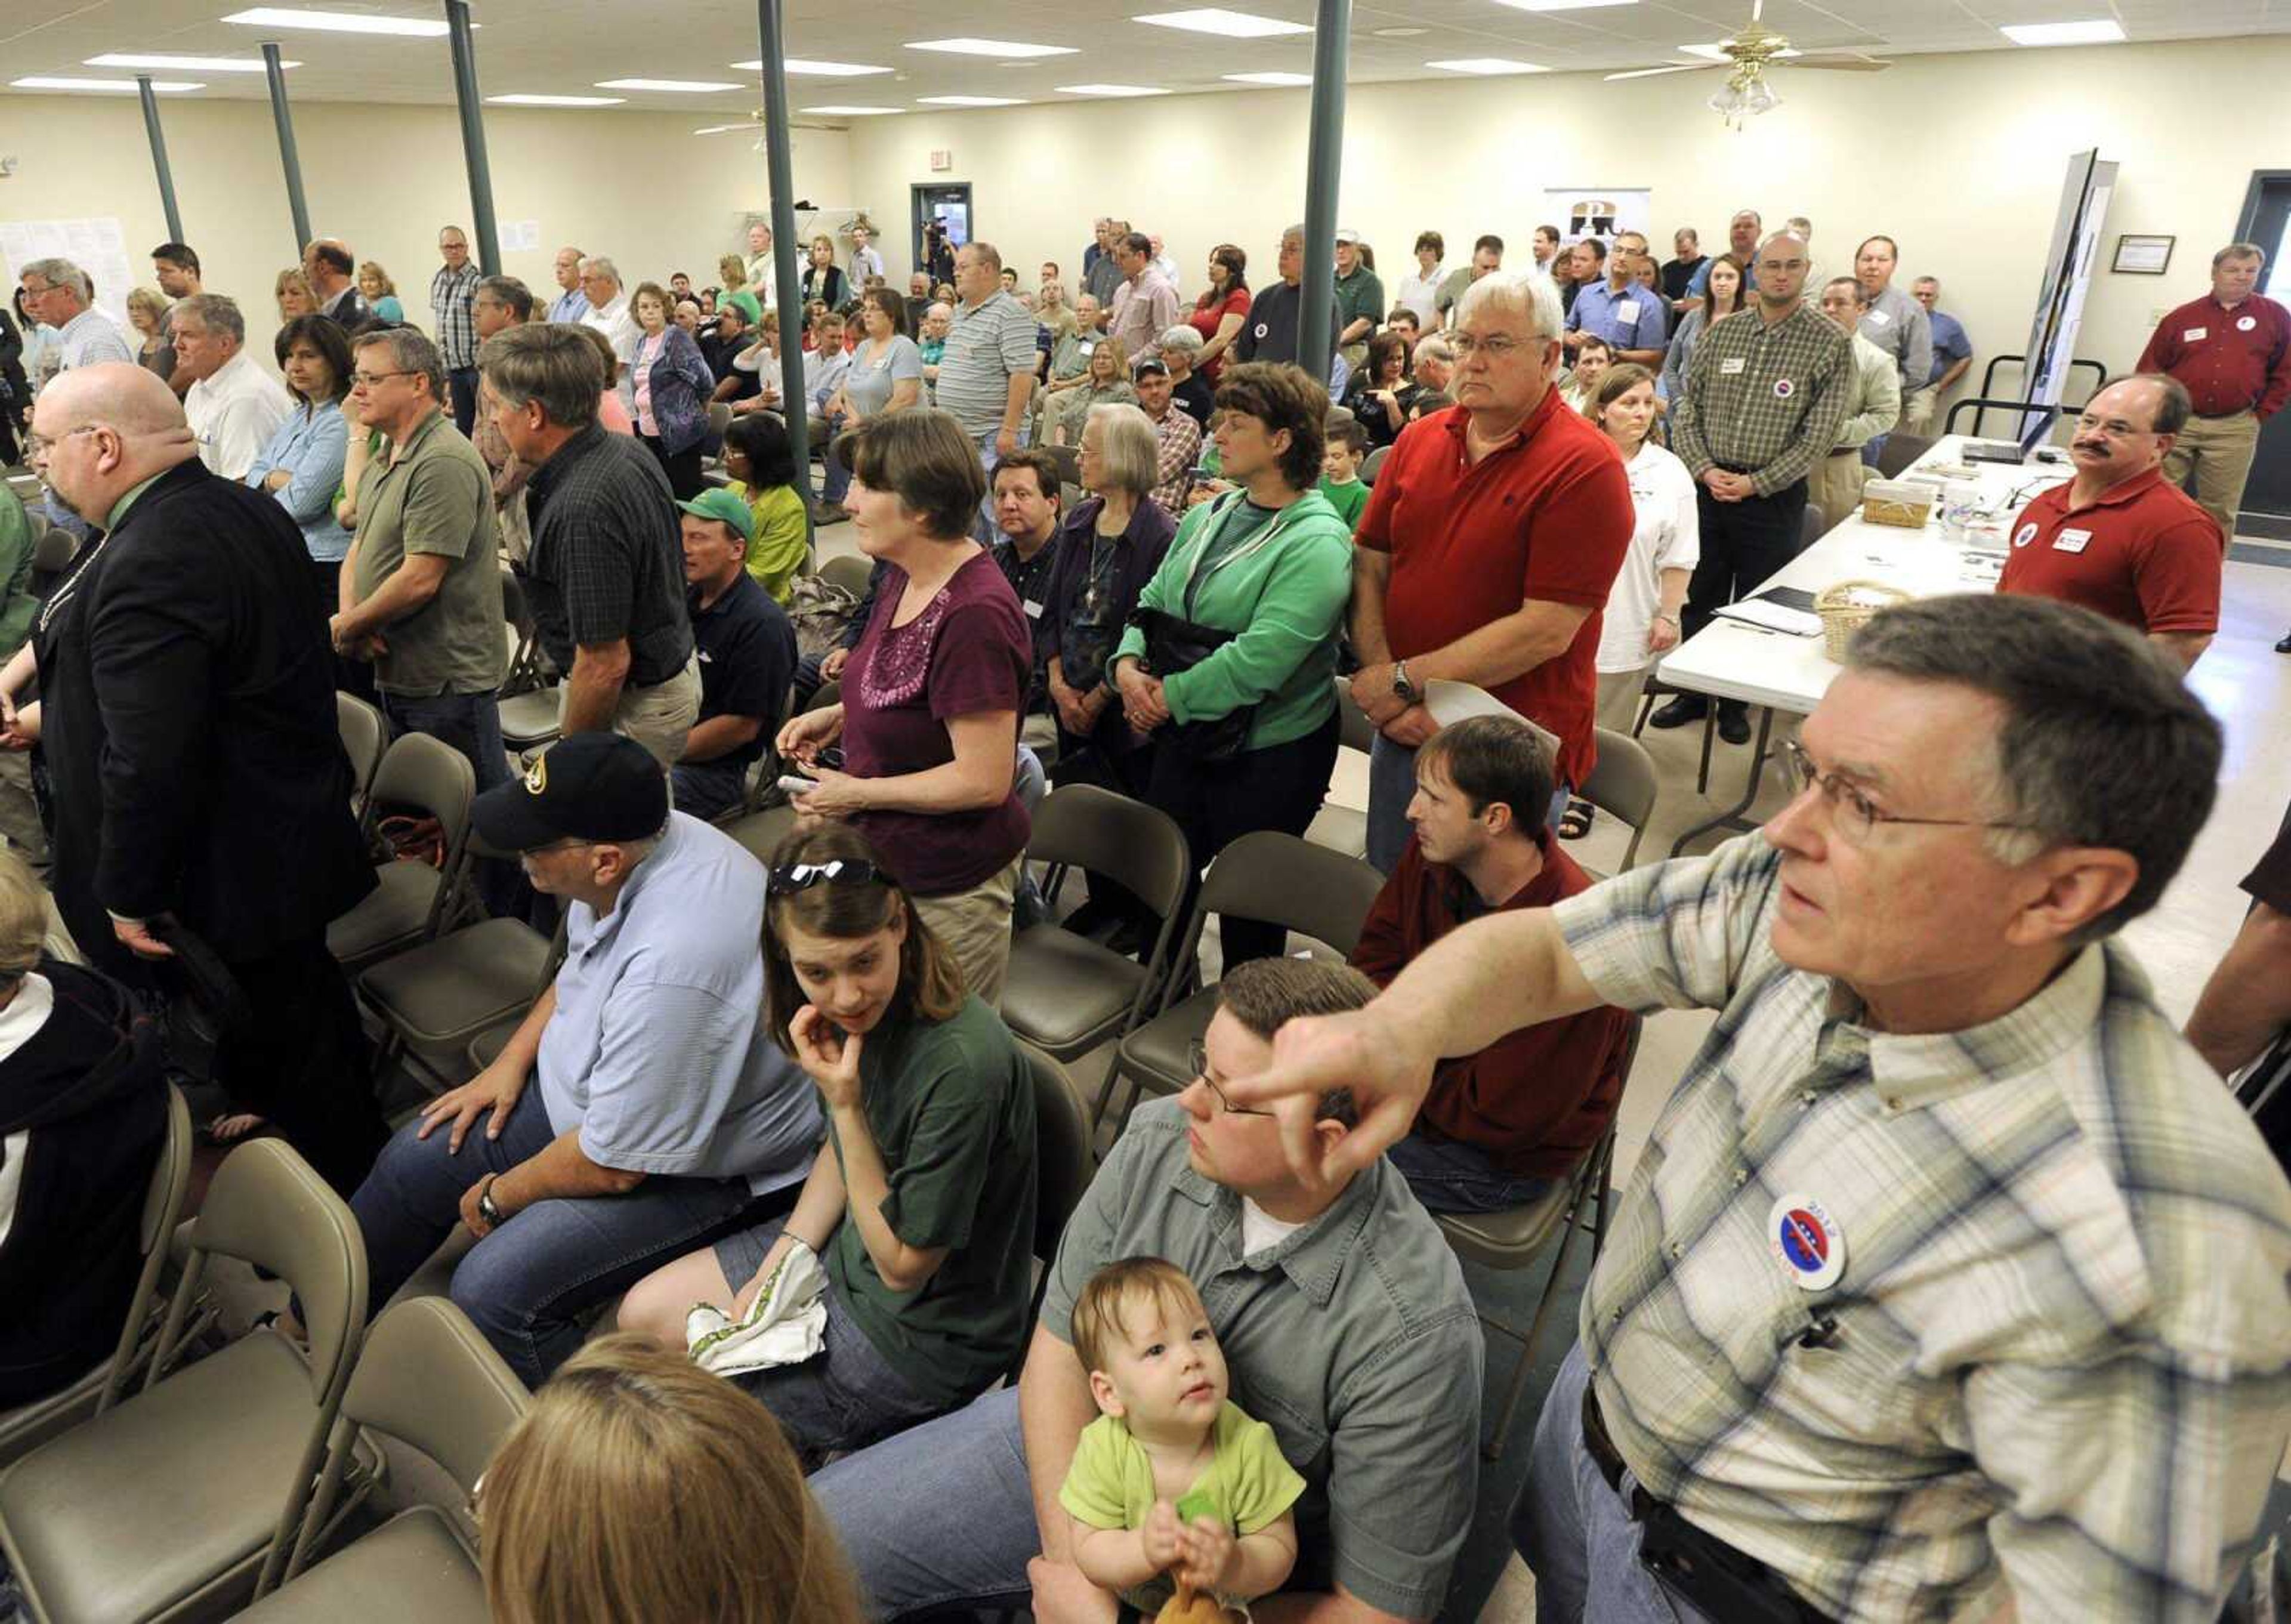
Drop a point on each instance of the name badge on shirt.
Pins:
(2193, 333)
(1880, 317)
(2244, 324)
(1033, 610)
(1627, 312)
(2071, 541)
(1728, 367)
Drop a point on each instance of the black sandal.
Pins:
(1575, 823)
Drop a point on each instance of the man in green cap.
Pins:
(747, 657)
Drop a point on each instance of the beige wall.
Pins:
(638, 186)
(1960, 157)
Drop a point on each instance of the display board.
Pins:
(97, 245)
(2069, 263)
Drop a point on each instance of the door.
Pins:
(942, 211)
(2267, 221)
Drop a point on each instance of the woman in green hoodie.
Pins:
(1233, 669)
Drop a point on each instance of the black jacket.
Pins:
(187, 723)
(88, 1092)
(346, 308)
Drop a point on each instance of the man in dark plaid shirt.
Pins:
(605, 575)
(450, 290)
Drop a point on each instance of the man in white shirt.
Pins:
(1162, 260)
(866, 259)
(759, 261)
(608, 313)
(59, 294)
(234, 406)
(1145, 306)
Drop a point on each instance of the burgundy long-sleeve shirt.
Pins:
(2230, 360)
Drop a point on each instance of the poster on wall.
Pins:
(1596, 210)
(97, 246)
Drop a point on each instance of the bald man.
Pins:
(187, 718)
(332, 269)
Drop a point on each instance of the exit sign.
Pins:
(941, 160)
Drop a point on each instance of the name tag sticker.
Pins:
(1627, 312)
(2244, 324)
(1033, 610)
(2193, 333)
(2071, 541)
(1880, 316)
(1733, 364)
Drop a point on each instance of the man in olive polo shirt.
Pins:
(421, 595)
(1346, 1328)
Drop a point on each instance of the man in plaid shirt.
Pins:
(451, 290)
(1950, 1284)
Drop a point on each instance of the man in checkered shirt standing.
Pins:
(451, 292)
(1950, 1283)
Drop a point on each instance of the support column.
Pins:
(159, 157)
(1323, 170)
(484, 234)
(787, 286)
(289, 159)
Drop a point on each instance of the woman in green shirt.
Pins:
(921, 1207)
(1246, 731)
(761, 462)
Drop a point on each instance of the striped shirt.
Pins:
(2061, 1328)
(1763, 401)
(989, 343)
(450, 292)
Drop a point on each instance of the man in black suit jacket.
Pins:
(330, 269)
(187, 718)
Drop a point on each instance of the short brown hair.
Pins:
(893, 305)
(1044, 465)
(1265, 994)
(922, 456)
(1617, 382)
(930, 982)
(652, 290)
(1282, 396)
(1099, 1317)
(1433, 240)
(1496, 758)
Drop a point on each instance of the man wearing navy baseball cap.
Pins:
(662, 1108)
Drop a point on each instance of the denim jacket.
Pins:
(682, 384)
(310, 445)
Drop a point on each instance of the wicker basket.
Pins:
(1845, 607)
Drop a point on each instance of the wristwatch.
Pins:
(493, 1216)
(1407, 691)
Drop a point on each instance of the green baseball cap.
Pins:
(720, 503)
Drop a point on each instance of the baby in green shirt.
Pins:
(1345, 450)
(1172, 1486)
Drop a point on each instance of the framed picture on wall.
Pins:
(2143, 256)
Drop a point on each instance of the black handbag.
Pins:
(1174, 644)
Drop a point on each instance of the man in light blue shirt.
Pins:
(1952, 354)
(1611, 303)
(663, 1107)
(572, 304)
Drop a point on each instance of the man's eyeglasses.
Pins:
(1198, 1056)
(1855, 817)
(1495, 348)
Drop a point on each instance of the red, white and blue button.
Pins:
(1806, 1240)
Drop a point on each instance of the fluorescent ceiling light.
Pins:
(2098, 31)
(526, 100)
(1268, 78)
(696, 87)
(725, 129)
(825, 70)
(990, 47)
(1485, 65)
(1562, 5)
(1233, 25)
(1111, 90)
(336, 22)
(972, 100)
(188, 64)
(42, 82)
(853, 112)
(1717, 53)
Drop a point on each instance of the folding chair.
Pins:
(411, 902)
(849, 572)
(528, 693)
(433, 999)
(428, 1379)
(28, 1426)
(188, 1498)
(1898, 451)
(1063, 1167)
(1622, 784)
(1375, 463)
(365, 732)
(1344, 829)
(1066, 993)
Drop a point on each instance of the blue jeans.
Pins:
(1449, 1176)
(469, 722)
(527, 1284)
(1391, 786)
(1575, 1533)
(941, 1514)
(707, 789)
(984, 532)
(461, 383)
(834, 479)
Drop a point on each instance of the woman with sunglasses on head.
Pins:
(923, 1217)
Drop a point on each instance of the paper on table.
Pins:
(1770, 616)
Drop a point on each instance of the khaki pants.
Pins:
(659, 717)
(2218, 451)
(1919, 411)
(1835, 486)
(975, 925)
(1619, 697)
(19, 814)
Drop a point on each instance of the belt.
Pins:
(1847, 450)
(1605, 1455)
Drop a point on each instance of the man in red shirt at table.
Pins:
(2119, 539)
(1492, 535)
(1500, 1127)
(2232, 349)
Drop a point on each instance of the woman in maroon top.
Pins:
(1217, 314)
(928, 725)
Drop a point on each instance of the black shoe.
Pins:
(1735, 724)
(2284, 646)
(1685, 709)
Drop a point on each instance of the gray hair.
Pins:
(1131, 450)
(555, 363)
(1521, 293)
(2233, 251)
(605, 268)
(62, 273)
(1432, 346)
(1296, 231)
(940, 309)
(410, 352)
(1181, 338)
(216, 312)
(2101, 742)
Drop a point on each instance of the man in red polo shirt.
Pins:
(1500, 1127)
(2232, 349)
(2118, 538)
(1493, 534)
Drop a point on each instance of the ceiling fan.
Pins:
(1746, 92)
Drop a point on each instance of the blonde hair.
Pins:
(149, 301)
(373, 269)
(23, 918)
(1101, 1312)
(638, 1486)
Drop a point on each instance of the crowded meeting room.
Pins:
(1011, 819)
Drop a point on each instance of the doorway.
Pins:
(942, 215)
(2266, 220)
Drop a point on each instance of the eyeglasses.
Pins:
(368, 379)
(1854, 817)
(1198, 1056)
(1495, 348)
(843, 870)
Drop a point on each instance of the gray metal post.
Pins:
(288, 159)
(473, 139)
(1323, 169)
(159, 157)
(780, 177)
